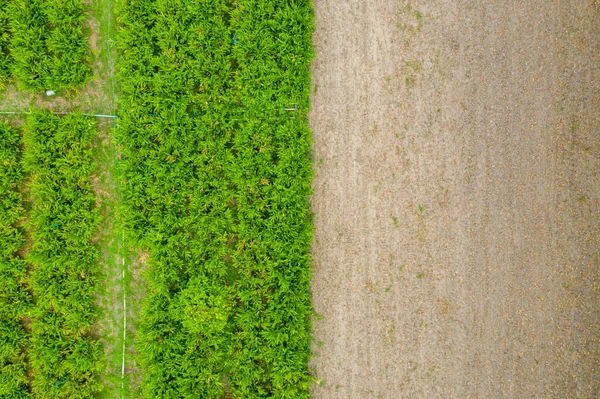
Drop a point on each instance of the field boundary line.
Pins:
(58, 113)
(121, 244)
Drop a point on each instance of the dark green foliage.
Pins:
(48, 47)
(64, 356)
(5, 37)
(14, 299)
(217, 178)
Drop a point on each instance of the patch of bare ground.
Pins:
(456, 199)
(121, 274)
(109, 291)
(137, 264)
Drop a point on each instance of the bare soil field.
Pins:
(456, 199)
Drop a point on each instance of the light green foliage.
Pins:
(67, 46)
(216, 178)
(28, 47)
(14, 299)
(64, 355)
(48, 47)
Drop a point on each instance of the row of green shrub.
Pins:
(63, 354)
(43, 45)
(216, 177)
(14, 299)
(5, 36)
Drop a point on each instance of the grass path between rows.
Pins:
(122, 275)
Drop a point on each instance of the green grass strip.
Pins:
(65, 356)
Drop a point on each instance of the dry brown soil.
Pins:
(456, 199)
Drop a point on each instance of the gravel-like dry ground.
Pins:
(457, 199)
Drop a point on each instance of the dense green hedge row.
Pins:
(63, 354)
(48, 47)
(217, 178)
(14, 299)
(5, 37)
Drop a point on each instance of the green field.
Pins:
(206, 173)
(216, 177)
